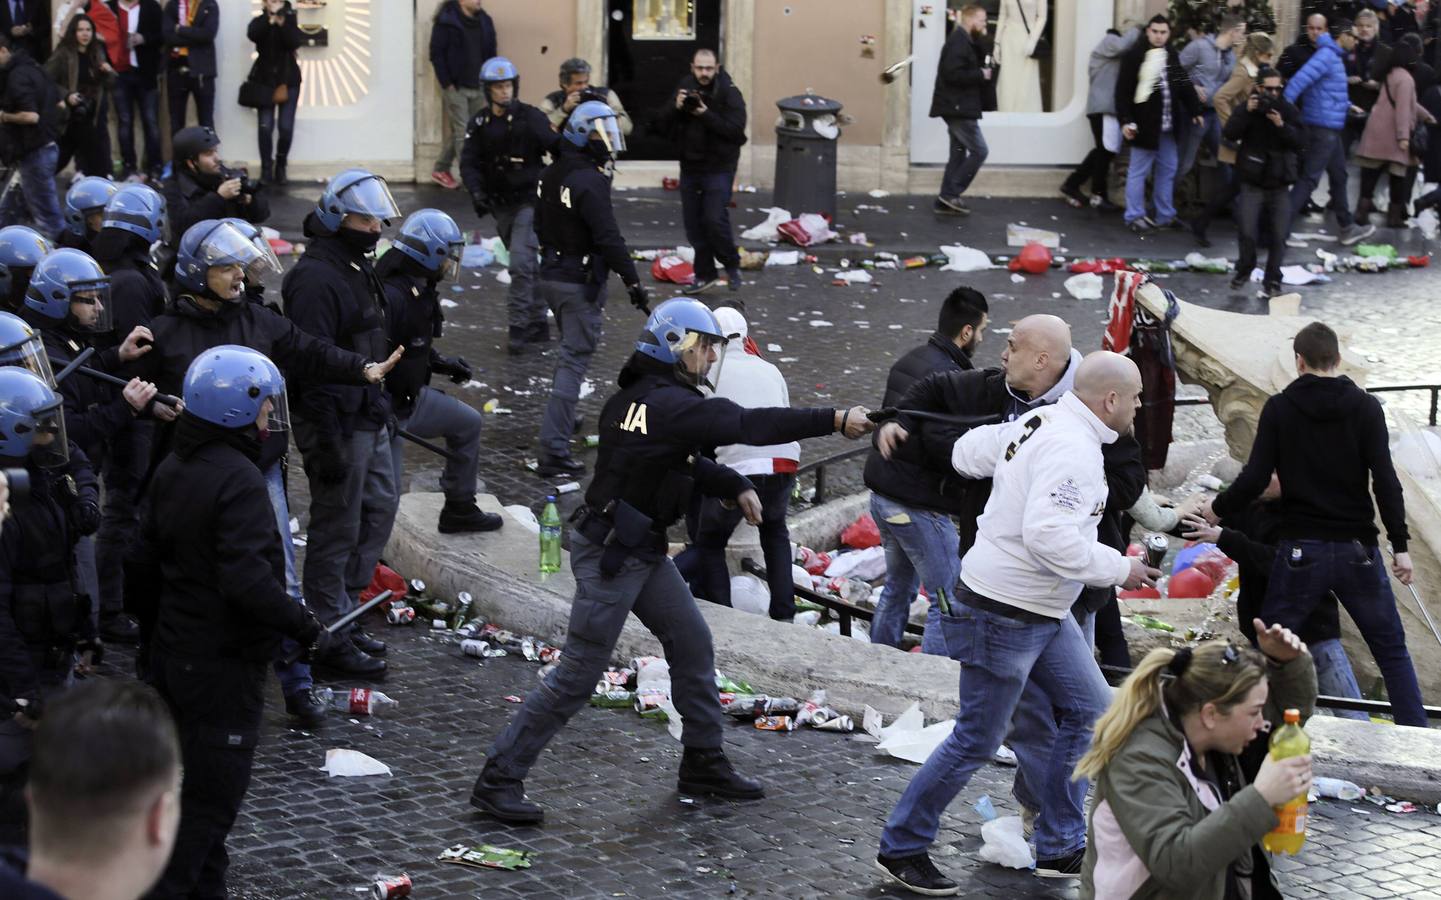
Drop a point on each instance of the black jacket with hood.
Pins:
(1147, 116)
(959, 81)
(1326, 439)
(191, 197)
(938, 354)
(710, 142)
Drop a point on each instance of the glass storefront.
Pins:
(663, 20)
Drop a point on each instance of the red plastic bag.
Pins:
(1100, 266)
(384, 579)
(673, 269)
(807, 229)
(862, 533)
(1192, 582)
(1214, 563)
(1034, 259)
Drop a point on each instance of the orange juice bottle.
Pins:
(1287, 741)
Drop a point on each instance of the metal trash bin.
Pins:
(806, 135)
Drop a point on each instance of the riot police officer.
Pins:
(23, 347)
(580, 245)
(653, 434)
(46, 630)
(500, 165)
(426, 251)
(210, 552)
(344, 432)
(133, 223)
(202, 187)
(84, 208)
(21, 249)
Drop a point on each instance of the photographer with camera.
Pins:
(83, 72)
(1268, 132)
(707, 119)
(201, 187)
(575, 89)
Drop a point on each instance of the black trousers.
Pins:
(1097, 164)
(180, 86)
(703, 564)
(217, 706)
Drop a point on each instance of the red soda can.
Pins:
(388, 887)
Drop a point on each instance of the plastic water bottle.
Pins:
(550, 537)
(1288, 836)
(357, 701)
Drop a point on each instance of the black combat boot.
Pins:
(281, 178)
(346, 660)
(305, 708)
(707, 771)
(517, 341)
(504, 799)
(367, 643)
(460, 516)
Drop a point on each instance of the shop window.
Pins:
(1024, 83)
(663, 20)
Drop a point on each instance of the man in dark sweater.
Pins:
(957, 101)
(461, 40)
(960, 329)
(1323, 436)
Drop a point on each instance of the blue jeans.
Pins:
(968, 153)
(296, 676)
(705, 206)
(36, 194)
(1163, 159)
(266, 121)
(1208, 134)
(1334, 676)
(703, 564)
(923, 548)
(132, 91)
(1305, 571)
(999, 656)
(1322, 153)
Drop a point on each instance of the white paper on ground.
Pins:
(1293, 275)
(340, 762)
(524, 518)
(960, 258)
(1004, 843)
(1085, 286)
(768, 230)
(908, 737)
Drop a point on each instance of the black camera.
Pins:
(590, 94)
(248, 185)
(691, 102)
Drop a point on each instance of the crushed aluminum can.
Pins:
(1156, 547)
(389, 887)
(480, 649)
(549, 655)
(400, 615)
(470, 628)
(646, 701)
(843, 724)
(776, 723)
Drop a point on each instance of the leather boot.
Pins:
(516, 341)
(707, 771)
(504, 799)
(460, 516)
(306, 708)
(1364, 209)
(267, 172)
(367, 643)
(1396, 213)
(346, 660)
(280, 177)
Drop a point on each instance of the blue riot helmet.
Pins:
(595, 118)
(70, 288)
(357, 192)
(22, 347)
(230, 385)
(682, 332)
(431, 238)
(32, 423)
(140, 210)
(497, 69)
(216, 243)
(267, 262)
(21, 249)
(88, 195)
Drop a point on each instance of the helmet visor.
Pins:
(266, 263)
(29, 355)
(369, 197)
(450, 269)
(49, 447)
(229, 246)
(90, 306)
(277, 416)
(699, 358)
(607, 128)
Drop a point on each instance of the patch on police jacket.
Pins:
(1067, 495)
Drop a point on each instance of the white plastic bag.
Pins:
(868, 564)
(960, 258)
(1085, 286)
(750, 594)
(783, 258)
(766, 231)
(340, 762)
(1004, 843)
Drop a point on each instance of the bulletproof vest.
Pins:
(511, 158)
(637, 462)
(558, 223)
(365, 328)
(45, 605)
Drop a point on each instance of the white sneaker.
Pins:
(1296, 242)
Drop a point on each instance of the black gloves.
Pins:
(313, 639)
(86, 514)
(331, 460)
(639, 297)
(482, 207)
(455, 367)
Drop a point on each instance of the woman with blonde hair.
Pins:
(1184, 789)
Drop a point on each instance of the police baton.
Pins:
(884, 415)
(75, 366)
(1425, 613)
(433, 448)
(343, 622)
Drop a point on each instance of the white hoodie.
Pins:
(1036, 541)
(751, 382)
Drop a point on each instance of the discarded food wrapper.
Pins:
(1004, 843)
(1021, 235)
(807, 229)
(860, 238)
(352, 763)
(776, 723)
(1017, 278)
(569, 487)
(487, 856)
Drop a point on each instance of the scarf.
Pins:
(185, 12)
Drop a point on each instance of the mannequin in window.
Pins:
(1019, 86)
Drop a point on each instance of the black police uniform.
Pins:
(343, 432)
(191, 197)
(210, 552)
(82, 242)
(580, 244)
(44, 611)
(94, 410)
(653, 433)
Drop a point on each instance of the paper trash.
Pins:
(908, 737)
(352, 762)
(783, 258)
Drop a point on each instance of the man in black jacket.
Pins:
(137, 82)
(707, 120)
(27, 25)
(462, 38)
(29, 111)
(190, 70)
(914, 488)
(956, 99)
(201, 187)
(344, 432)
(1325, 438)
(1154, 124)
(960, 328)
(210, 552)
(1268, 132)
(1300, 52)
(504, 153)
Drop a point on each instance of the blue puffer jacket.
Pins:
(1320, 87)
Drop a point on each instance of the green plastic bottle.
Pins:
(550, 537)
